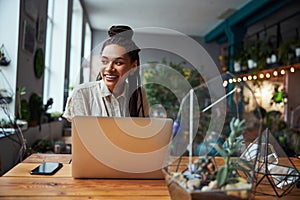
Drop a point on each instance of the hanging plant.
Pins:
(4, 57)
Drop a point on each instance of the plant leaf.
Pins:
(219, 149)
(245, 162)
(243, 169)
(222, 175)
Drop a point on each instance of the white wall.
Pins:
(9, 34)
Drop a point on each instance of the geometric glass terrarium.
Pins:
(216, 124)
(276, 173)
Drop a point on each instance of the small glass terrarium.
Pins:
(275, 172)
(216, 124)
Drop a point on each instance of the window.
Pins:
(76, 45)
(55, 57)
(87, 53)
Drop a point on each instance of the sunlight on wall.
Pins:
(263, 92)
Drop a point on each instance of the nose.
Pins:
(110, 66)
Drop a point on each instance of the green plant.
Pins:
(202, 174)
(285, 51)
(227, 173)
(42, 146)
(36, 109)
(23, 106)
(159, 94)
(253, 49)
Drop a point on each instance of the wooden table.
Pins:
(19, 184)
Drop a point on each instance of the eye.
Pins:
(104, 62)
(118, 63)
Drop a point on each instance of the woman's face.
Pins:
(115, 63)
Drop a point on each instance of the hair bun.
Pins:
(121, 30)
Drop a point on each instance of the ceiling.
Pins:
(191, 17)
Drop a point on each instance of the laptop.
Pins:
(116, 147)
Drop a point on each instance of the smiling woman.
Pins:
(111, 94)
(115, 65)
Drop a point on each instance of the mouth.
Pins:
(110, 77)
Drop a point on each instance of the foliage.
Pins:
(203, 174)
(285, 51)
(36, 109)
(159, 94)
(42, 146)
(228, 172)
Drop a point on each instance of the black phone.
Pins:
(46, 168)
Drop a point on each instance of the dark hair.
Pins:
(122, 35)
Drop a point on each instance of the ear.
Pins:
(134, 64)
(133, 67)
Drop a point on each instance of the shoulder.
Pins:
(88, 85)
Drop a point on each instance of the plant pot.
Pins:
(179, 192)
(237, 66)
(273, 58)
(250, 64)
(297, 52)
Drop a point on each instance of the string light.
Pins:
(292, 69)
(261, 76)
(225, 83)
(275, 73)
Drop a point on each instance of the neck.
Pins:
(118, 90)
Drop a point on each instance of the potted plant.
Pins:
(268, 50)
(240, 60)
(36, 109)
(297, 47)
(202, 179)
(4, 58)
(285, 51)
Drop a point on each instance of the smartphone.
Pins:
(46, 168)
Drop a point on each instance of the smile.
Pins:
(111, 77)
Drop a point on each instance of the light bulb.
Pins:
(261, 76)
(292, 69)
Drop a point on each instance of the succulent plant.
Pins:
(203, 174)
(228, 172)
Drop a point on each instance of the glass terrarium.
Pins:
(275, 172)
(216, 123)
